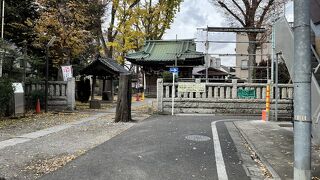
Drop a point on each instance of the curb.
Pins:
(274, 174)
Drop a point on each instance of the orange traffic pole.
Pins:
(267, 111)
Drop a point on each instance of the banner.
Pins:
(246, 93)
(191, 87)
(66, 72)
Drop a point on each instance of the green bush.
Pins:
(6, 95)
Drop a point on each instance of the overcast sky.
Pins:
(200, 14)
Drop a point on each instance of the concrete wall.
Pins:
(224, 106)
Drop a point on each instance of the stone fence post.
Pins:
(71, 102)
(234, 88)
(160, 94)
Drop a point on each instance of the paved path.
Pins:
(28, 156)
(161, 147)
(40, 133)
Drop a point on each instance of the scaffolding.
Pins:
(233, 30)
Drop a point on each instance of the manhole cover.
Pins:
(198, 138)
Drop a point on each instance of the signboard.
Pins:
(191, 87)
(66, 72)
(174, 70)
(246, 93)
(18, 88)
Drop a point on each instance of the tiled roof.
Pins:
(167, 50)
(104, 67)
(113, 65)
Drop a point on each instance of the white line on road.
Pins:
(221, 168)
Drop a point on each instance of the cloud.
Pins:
(200, 14)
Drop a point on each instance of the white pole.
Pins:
(144, 81)
(173, 92)
(206, 57)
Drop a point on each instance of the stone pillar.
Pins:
(283, 92)
(210, 92)
(216, 91)
(160, 94)
(71, 101)
(228, 93)
(93, 87)
(221, 92)
(234, 88)
(109, 89)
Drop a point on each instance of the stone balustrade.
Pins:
(61, 94)
(223, 98)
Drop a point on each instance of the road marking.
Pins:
(221, 168)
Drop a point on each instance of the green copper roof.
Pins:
(167, 50)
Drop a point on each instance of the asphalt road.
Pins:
(160, 148)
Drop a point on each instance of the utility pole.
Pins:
(302, 91)
(2, 29)
(47, 73)
(2, 19)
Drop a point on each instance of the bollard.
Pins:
(267, 111)
(38, 107)
(137, 97)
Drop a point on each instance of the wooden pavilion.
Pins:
(107, 70)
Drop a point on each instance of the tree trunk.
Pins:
(123, 111)
(103, 42)
(252, 57)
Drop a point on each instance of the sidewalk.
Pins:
(31, 154)
(273, 144)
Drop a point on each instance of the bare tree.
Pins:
(250, 14)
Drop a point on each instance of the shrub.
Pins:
(6, 96)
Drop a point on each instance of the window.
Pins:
(244, 64)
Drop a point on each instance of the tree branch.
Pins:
(134, 4)
(241, 10)
(223, 5)
(264, 13)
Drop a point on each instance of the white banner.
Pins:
(191, 87)
(66, 72)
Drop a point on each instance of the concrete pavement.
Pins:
(161, 147)
(273, 143)
(29, 156)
